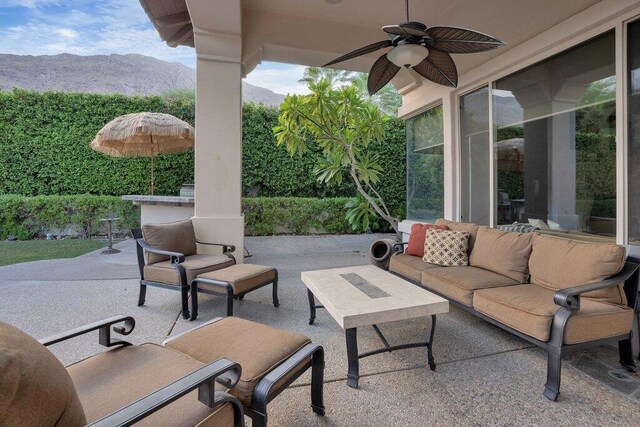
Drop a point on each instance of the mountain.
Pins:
(126, 74)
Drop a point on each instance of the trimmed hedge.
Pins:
(265, 216)
(79, 216)
(44, 150)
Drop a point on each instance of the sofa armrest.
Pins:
(222, 371)
(226, 248)
(570, 297)
(175, 257)
(398, 248)
(104, 337)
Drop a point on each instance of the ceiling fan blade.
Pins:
(362, 51)
(439, 68)
(415, 29)
(461, 40)
(381, 73)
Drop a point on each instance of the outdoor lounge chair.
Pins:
(168, 258)
(144, 384)
(151, 384)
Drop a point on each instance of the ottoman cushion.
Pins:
(242, 277)
(257, 348)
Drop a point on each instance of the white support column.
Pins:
(218, 147)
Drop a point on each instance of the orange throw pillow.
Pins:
(416, 239)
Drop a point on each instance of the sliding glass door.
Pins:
(633, 130)
(475, 158)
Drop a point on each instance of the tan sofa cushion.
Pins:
(197, 264)
(470, 228)
(503, 252)
(257, 348)
(176, 236)
(242, 278)
(459, 283)
(409, 266)
(558, 263)
(35, 389)
(113, 379)
(530, 310)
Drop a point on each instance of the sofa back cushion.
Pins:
(503, 252)
(415, 246)
(447, 248)
(35, 389)
(176, 236)
(470, 228)
(557, 263)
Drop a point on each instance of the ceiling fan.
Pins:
(425, 50)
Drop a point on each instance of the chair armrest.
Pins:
(222, 371)
(570, 297)
(175, 257)
(102, 326)
(226, 248)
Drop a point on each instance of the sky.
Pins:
(89, 27)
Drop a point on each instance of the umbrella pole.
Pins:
(152, 156)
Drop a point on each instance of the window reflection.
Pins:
(425, 166)
(555, 142)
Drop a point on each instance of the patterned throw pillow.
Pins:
(446, 247)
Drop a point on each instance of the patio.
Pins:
(485, 376)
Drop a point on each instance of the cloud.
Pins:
(30, 4)
(280, 78)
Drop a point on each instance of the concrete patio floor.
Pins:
(485, 376)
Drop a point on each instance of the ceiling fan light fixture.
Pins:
(407, 55)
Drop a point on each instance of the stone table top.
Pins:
(160, 200)
(366, 295)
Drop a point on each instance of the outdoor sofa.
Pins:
(207, 376)
(559, 294)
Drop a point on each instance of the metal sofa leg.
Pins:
(194, 301)
(142, 295)
(184, 291)
(317, 381)
(626, 355)
(276, 303)
(552, 387)
(258, 420)
(229, 304)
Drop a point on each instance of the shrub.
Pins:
(79, 216)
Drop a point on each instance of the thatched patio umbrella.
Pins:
(144, 135)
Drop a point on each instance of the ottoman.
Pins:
(233, 283)
(271, 359)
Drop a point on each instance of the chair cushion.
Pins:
(409, 266)
(558, 263)
(194, 265)
(257, 348)
(470, 228)
(459, 283)
(242, 277)
(35, 389)
(446, 248)
(113, 379)
(530, 310)
(416, 238)
(503, 252)
(176, 236)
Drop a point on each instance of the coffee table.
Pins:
(365, 295)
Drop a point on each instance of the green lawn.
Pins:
(34, 250)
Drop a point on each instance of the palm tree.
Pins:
(335, 77)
